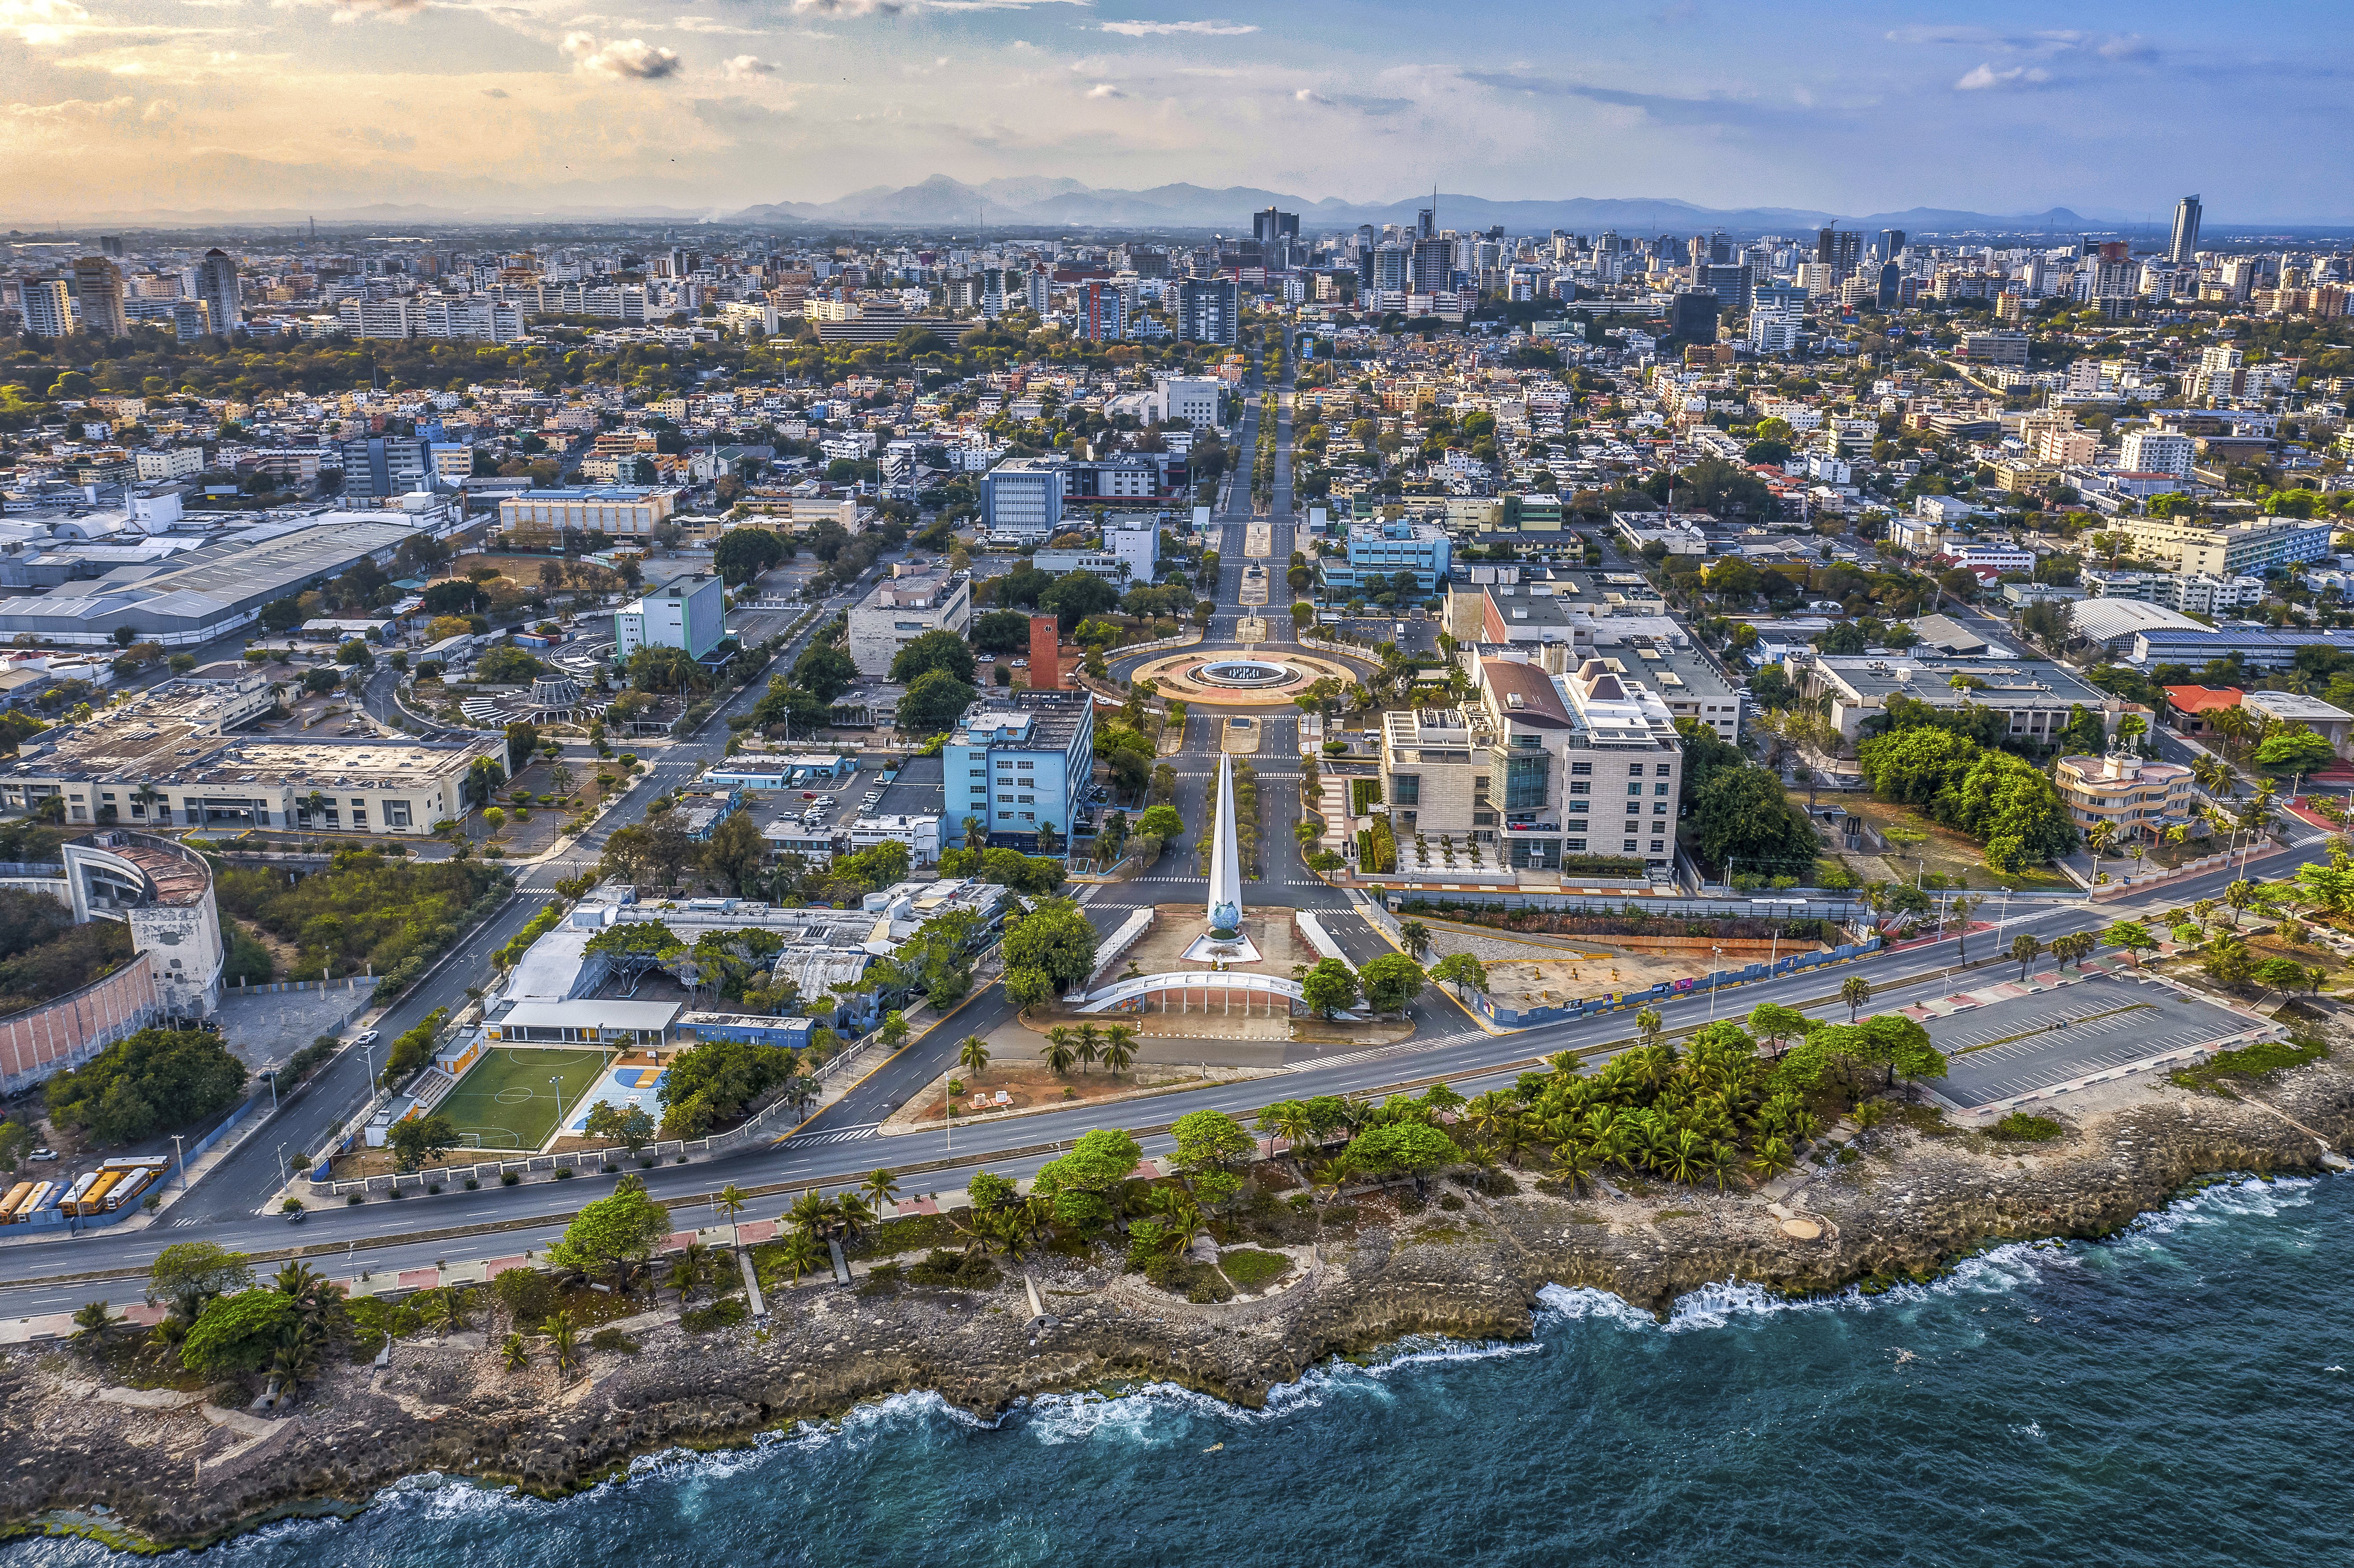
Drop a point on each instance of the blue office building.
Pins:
(1378, 551)
(1021, 762)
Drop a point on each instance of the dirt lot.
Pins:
(1940, 851)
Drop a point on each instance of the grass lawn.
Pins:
(1938, 852)
(505, 1101)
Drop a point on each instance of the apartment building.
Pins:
(2240, 549)
(1021, 499)
(2138, 799)
(1021, 762)
(1378, 551)
(904, 606)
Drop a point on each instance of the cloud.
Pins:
(1712, 112)
(1105, 90)
(494, 92)
(1208, 29)
(392, 10)
(2043, 43)
(623, 59)
(852, 7)
(1310, 95)
(744, 67)
(708, 25)
(43, 21)
(1984, 77)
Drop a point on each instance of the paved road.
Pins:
(841, 1142)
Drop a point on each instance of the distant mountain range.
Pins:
(940, 202)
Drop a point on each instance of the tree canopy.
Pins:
(1050, 949)
(153, 1081)
(932, 651)
(933, 703)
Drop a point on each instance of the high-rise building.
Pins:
(1731, 285)
(1691, 315)
(1840, 250)
(110, 246)
(1892, 241)
(1434, 266)
(2184, 247)
(98, 284)
(1103, 315)
(1208, 310)
(48, 308)
(1270, 227)
(378, 468)
(217, 287)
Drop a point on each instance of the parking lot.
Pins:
(2026, 1044)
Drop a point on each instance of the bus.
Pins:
(94, 1196)
(13, 1201)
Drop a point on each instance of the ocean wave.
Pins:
(2241, 1197)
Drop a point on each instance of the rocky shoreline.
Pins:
(147, 1470)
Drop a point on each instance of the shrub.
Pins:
(613, 1340)
(951, 1270)
(528, 1294)
(509, 1178)
(727, 1313)
(1252, 1269)
(2021, 1128)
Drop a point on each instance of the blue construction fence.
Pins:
(55, 1218)
(1616, 1002)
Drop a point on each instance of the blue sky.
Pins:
(113, 106)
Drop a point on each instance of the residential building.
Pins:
(620, 512)
(903, 606)
(217, 292)
(169, 462)
(1775, 329)
(1994, 348)
(2138, 798)
(1379, 550)
(1021, 499)
(1103, 311)
(51, 309)
(2251, 549)
(169, 757)
(689, 612)
(2156, 452)
(1021, 763)
(1187, 397)
(2036, 697)
(98, 285)
(1208, 310)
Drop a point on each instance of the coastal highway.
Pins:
(840, 1146)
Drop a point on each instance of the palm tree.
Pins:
(1292, 1122)
(813, 1214)
(1771, 1158)
(2024, 948)
(1514, 1134)
(1650, 1023)
(1854, 990)
(1572, 1165)
(514, 1354)
(1720, 1163)
(973, 1055)
(1414, 937)
(296, 1360)
(91, 1322)
(1565, 1064)
(564, 1340)
(731, 1201)
(1182, 1225)
(2239, 896)
(801, 1255)
(686, 1274)
(2102, 834)
(1682, 1157)
(449, 1309)
(1088, 1044)
(852, 1212)
(1057, 1050)
(879, 1188)
(1119, 1047)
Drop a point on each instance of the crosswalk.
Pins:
(837, 1135)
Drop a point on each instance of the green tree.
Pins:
(1048, 951)
(824, 670)
(2297, 750)
(1855, 990)
(1740, 818)
(1076, 1187)
(1391, 981)
(153, 1080)
(2133, 937)
(1331, 988)
(933, 703)
(238, 1333)
(418, 1139)
(1075, 596)
(1462, 971)
(745, 555)
(188, 1275)
(932, 651)
(1401, 1149)
(632, 1129)
(613, 1235)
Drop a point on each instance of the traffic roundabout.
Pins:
(1240, 678)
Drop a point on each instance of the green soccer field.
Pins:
(505, 1102)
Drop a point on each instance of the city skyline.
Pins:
(128, 107)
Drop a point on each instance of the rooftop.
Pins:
(1034, 721)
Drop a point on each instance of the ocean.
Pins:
(2178, 1394)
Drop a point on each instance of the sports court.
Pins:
(506, 1101)
(634, 1080)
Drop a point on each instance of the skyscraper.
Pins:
(1892, 241)
(1434, 266)
(217, 287)
(48, 308)
(1103, 316)
(1839, 251)
(2185, 245)
(98, 283)
(1208, 310)
(1270, 226)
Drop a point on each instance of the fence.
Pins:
(241, 1118)
(1594, 1007)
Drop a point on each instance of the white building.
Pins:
(690, 612)
(2156, 452)
(1182, 398)
(920, 835)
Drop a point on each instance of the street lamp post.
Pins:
(180, 1158)
(1717, 953)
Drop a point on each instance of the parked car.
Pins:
(42, 1156)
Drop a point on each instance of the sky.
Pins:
(124, 107)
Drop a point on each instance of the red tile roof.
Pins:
(2200, 699)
